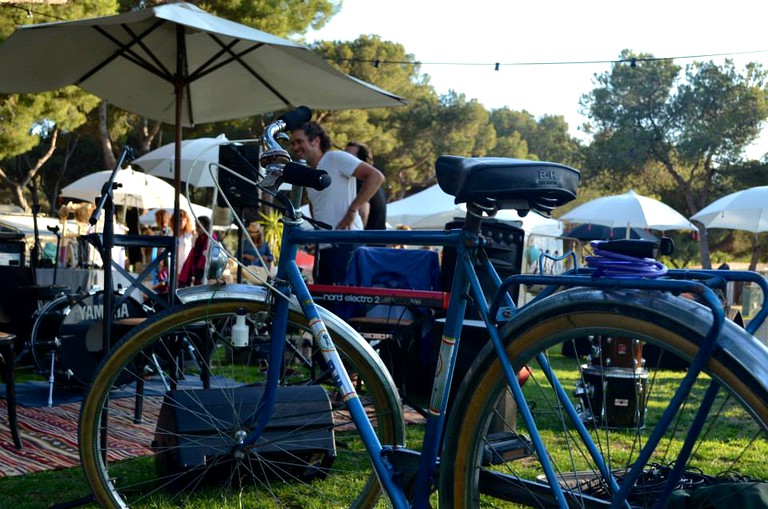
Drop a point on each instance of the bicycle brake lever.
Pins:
(276, 156)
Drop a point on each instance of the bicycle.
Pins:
(324, 424)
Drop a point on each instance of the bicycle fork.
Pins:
(341, 378)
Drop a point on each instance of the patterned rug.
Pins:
(49, 435)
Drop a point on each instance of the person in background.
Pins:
(374, 213)
(339, 204)
(251, 255)
(193, 271)
(161, 222)
(133, 225)
(186, 237)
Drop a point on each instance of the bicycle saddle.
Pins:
(506, 183)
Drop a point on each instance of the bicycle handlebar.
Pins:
(300, 175)
(278, 162)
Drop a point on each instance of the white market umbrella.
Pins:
(629, 210)
(433, 208)
(136, 189)
(178, 64)
(176, 56)
(743, 210)
(148, 218)
(198, 158)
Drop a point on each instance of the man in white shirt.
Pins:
(338, 205)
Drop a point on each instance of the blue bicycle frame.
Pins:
(501, 309)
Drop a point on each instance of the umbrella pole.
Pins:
(179, 93)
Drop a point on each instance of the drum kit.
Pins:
(65, 343)
(70, 330)
(612, 385)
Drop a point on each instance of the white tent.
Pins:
(432, 208)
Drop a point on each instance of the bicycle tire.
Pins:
(480, 468)
(105, 477)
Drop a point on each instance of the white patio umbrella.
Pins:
(629, 210)
(433, 208)
(743, 210)
(148, 218)
(196, 158)
(136, 189)
(178, 64)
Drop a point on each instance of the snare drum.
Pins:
(616, 352)
(67, 335)
(615, 397)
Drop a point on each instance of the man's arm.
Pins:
(371, 179)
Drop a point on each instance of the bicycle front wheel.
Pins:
(619, 358)
(173, 436)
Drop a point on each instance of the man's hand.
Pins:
(347, 221)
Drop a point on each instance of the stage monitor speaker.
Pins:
(17, 307)
(12, 252)
(299, 435)
(243, 160)
(505, 251)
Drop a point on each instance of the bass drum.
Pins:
(66, 340)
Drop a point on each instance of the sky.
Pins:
(445, 33)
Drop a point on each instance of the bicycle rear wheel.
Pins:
(174, 442)
(637, 349)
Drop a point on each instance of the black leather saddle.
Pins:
(506, 183)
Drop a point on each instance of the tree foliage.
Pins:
(647, 118)
(31, 124)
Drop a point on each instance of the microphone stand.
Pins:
(106, 203)
(34, 258)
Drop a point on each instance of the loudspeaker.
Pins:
(12, 252)
(17, 307)
(243, 160)
(504, 250)
(299, 436)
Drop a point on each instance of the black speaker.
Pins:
(299, 435)
(243, 160)
(11, 251)
(504, 250)
(17, 307)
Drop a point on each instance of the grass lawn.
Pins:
(46, 489)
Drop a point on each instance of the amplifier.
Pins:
(12, 252)
(196, 429)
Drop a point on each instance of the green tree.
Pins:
(520, 135)
(646, 118)
(388, 131)
(32, 124)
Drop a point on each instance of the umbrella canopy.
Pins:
(145, 61)
(600, 232)
(136, 189)
(433, 208)
(148, 218)
(742, 210)
(628, 210)
(196, 158)
(178, 64)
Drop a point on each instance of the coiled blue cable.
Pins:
(610, 264)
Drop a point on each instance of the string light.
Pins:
(497, 65)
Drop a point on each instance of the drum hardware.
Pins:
(66, 339)
(612, 387)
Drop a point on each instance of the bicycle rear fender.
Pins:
(736, 348)
(255, 293)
